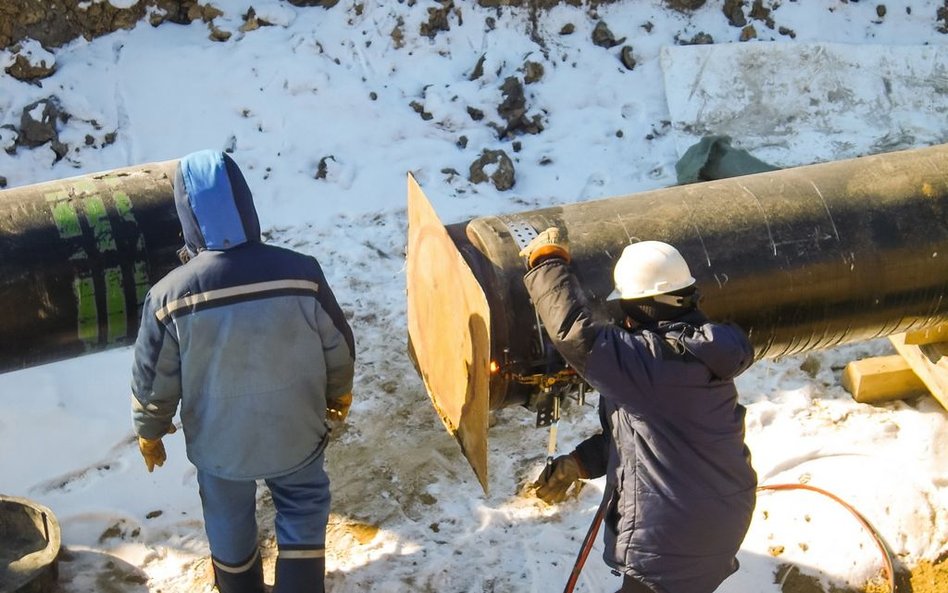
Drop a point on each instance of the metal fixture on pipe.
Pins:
(802, 259)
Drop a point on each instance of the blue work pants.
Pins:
(301, 500)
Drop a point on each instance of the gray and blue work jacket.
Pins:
(679, 482)
(248, 338)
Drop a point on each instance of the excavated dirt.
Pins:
(56, 22)
(924, 578)
(927, 578)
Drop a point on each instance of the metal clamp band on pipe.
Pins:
(521, 232)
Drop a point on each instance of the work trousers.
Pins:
(301, 500)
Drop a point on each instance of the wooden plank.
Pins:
(881, 379)
(930, 363)
(448, 330)
(939, 333)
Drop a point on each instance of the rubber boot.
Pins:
(300, 575)
(232, 580)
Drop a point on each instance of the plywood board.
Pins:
(448, 330)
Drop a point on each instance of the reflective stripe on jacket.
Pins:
(245, 339)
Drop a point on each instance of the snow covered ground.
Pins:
(336, 86)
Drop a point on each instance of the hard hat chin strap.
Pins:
(667, 299)
(675, 299)
(660, 307)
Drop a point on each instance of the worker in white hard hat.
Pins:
(680, 488)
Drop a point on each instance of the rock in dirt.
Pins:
(603, 37)
(514, 110)
(684, 5)
(503, 176)
(532, 72)
(32, 62)
(734, 11)
(437, 19)
(626, 57)
(38, 122)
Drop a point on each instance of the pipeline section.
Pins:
(77, 257)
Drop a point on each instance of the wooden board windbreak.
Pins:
(448, 330)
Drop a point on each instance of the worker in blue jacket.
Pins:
(249, 341)
(680, 488)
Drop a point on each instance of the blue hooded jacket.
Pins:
(247, 338)
(680, 487)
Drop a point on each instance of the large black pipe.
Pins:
(802, 258)
(76, 259)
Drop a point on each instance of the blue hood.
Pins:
(214, 203)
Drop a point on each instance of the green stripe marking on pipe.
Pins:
(141, 282)
(115, 304)
(64, 215)
(85, 185)
(88, 316)
(123, 204)
(98, 219)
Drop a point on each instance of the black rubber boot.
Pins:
(300, 575)
(230, 579)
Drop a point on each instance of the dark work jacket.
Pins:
(678, 474)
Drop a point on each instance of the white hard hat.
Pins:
(649, 268)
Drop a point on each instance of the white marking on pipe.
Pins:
(825, 207)
(628, 235)
(691, 219)
(773, 244)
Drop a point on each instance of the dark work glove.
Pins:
(184, 256)
(555, 481)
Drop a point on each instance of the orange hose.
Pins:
(587, 544)
(886, 557)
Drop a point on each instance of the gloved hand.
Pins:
(552, 485)
(337, 410)
(546, 245)
(184, 256)
(153, 450)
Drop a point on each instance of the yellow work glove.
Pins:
(153, 450)
(555, 481)
(337, 410)
(547, 244)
